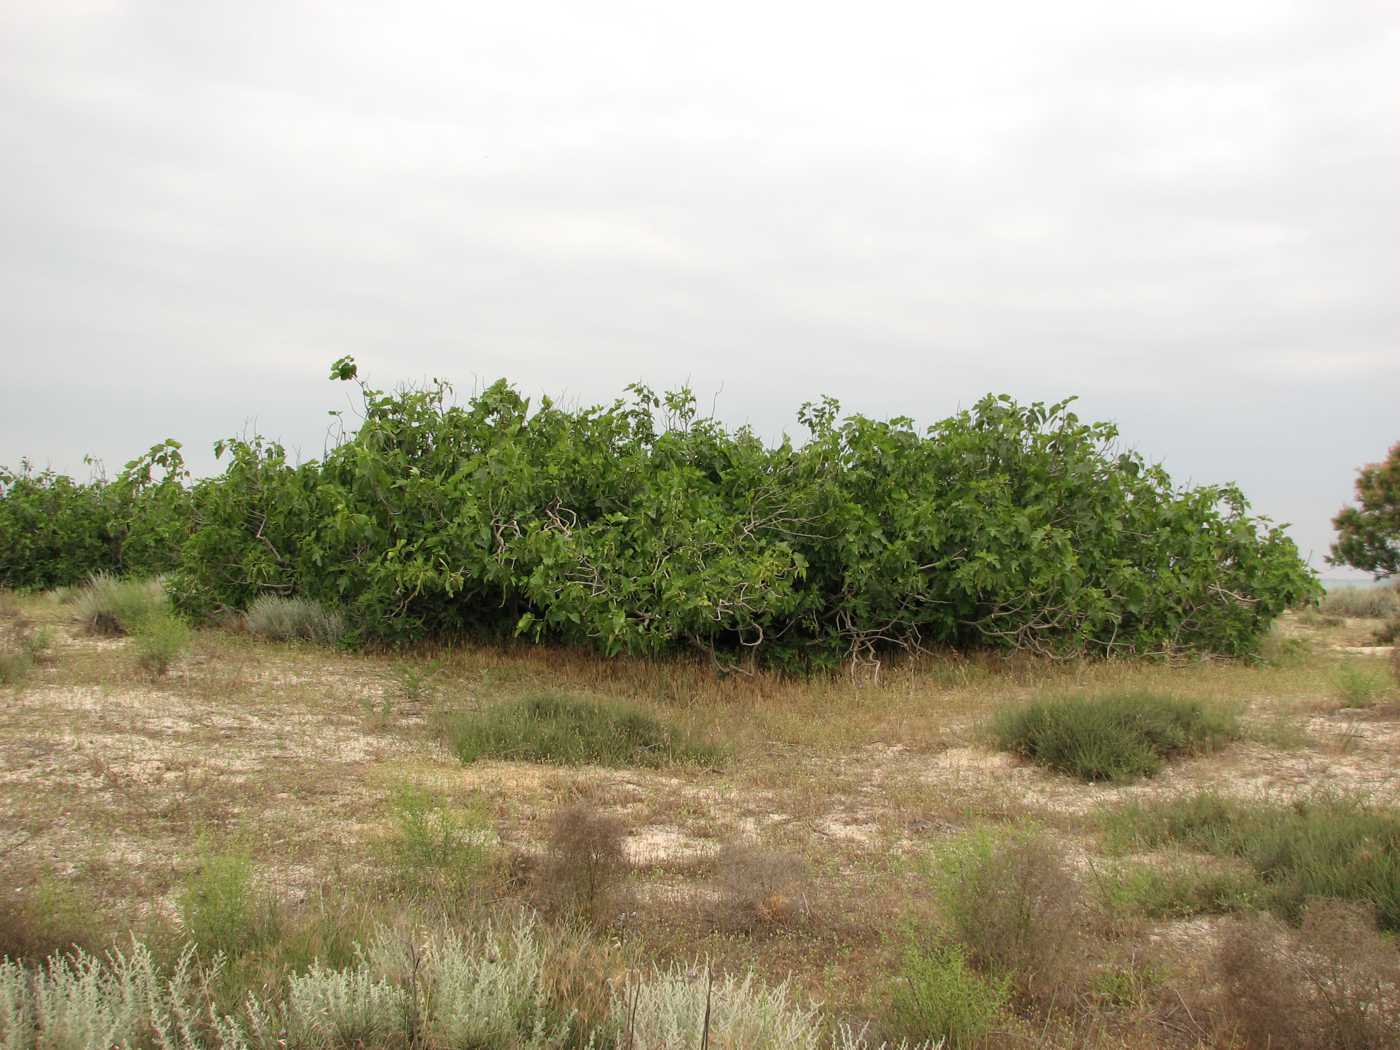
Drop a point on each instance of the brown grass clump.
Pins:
(50, 917)
(1335, 985)
(758, 887)
(585, 865)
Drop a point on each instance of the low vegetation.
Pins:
(565, 730)
(1377, 603)
(109, 605)
(1331, 846)
(282, 619)
(1116, 736)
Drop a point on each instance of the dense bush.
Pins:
(641, 527)
(1117, 736)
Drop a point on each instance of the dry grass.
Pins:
(109, 779)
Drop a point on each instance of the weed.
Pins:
(939, 996)
(560, 729)
(1322, 846)
(758, 887)
(1117, 736)
(220, 908)
(437, 848)
(282, 619)
(160, 639)
(585, 863)
(1179, 890)
(1358, 685)
(413, 680)
(1014, 905)
(683, 1006)
(1333, 986)
(52, 917)
(21, 648)
(112, 606)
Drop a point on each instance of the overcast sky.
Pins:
(1185, 213)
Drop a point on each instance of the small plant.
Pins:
(438, 848)
(939, 996)
(220, 908)
(758, 887)
(282, 619)
(1323, 846)
(1181, 890)
(1334, 985)
(585, 863)
(1359, 685)
(160, 639)
(108, 605)
(21, 648)
(1118, 736)
(413, 680)
(51, 918)
(1013, 904)
(559, 729)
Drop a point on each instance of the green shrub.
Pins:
(1323, 846)
(1361, 602)
(160, 639)
(1180, 890)
(559, 729)
(221, 909)
(438, 847)
(1118, 736)
(1360, 684)
(938, 996)
(282, 619)
(111, 606)
(21, 647)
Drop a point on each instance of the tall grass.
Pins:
(113, 606)
(559, 729)
(1116, 736)
(1324, 846)
(1363, 602)
(285, 619)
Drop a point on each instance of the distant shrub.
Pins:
(112, 606)
(1118, 736)
(1361, 602)
(282, 619)
(1323, 846)
(560, 729)
(160, 639)
(939, 996)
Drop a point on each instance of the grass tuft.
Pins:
(940, 996)
(1358, 684)
(282, 619)
(1114, 737)
(1323, 846)
(562, 730)
(159, 641)
(109, 605)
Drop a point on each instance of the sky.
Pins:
(1183, 214)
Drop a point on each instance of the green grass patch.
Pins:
(438, 848)
(160, 639)
(1360, 684)
(1325, 846)
(563, 730)
(939, 996)
(1116, 736)
(1180, 890)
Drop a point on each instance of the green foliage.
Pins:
(1180, 890)
(1324, 846)
(220, 908)
(113, 606)
(160, 639)
(642, 527)
(1117, 736)
(559, 729)
(1368, 536)
(1360, 684)
(55, 531)
(940, 997)
(282, 619)
(438, 848)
